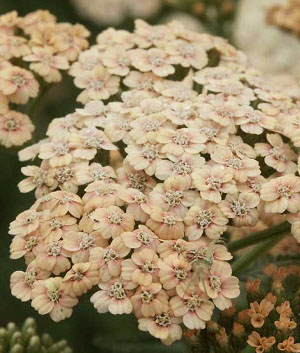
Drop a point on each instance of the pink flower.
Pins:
(149, 301)
(15, 129)
(114, 296)
(21, 283)
(117, 60)
(141, 238)
(102, 194)
(79, 244)
(242, 208)
(137, 202)
(97, 84)
(63, 202)
(173, 271)
(112, 221)
(57, 152)
(167, 225)
(164, 326)
(24, 245)
(54, 228)
(36, 179)
(278, 155)
(281, 194)
(220, 285)
(204, 217)
(18, 84)
(109, 259)
(94, 172)
(213, 181)
(81, 278)
(25, 223)
(49, 297)
(155, 60)
(141, 268)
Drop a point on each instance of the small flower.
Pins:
(25, 223)
(261, 344)
(117, 61)
(63, 202)
(56, 152)
(81, 278)
(155, 60)
(49, 297)
(137, 202)
(260, 311)
(281, 194)
(213, 182)
(278, 155)
(15, 129)
(141, 268)
(204, 217)
(54, 228)
(113, 296)
(112, 221)
(167, 225)
(18, 84)
(141, 238)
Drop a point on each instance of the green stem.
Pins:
(249, 257)
(257, 237)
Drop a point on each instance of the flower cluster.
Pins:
(286, 16)
(34, 44)
(27, 340)
(204, 151)
(114, 12)
(271, 321)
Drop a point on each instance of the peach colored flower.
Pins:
(109, 259)
(54, 228)
(141, 80)
(63, 202)
(102, 194)
(241, 208)
(213, 181)
(289, 345)
(52, 257)
(97, 84)
(149, 301)
(15, 129)
(278, 155)
(25, 223)
(18, 84)
(281, 194)
(164, 326)
(21, 283)
(137, 203)
(86, 174)
(147, 35)
(49, 297)
(141, 268)
(183, 165)
(261, 344)
(141, 238)
(220, 285)
(112, 221)
(24, 245)
(114, 296)
(155, 60)
(9, 22)
(36, 179)
(171, 247)
(87, 61)
(241, 169)
(186, 54)
(81, 278)
(13, 46)
(143, 157)
(173, 271)
(194, 309)
(177, 142)
(79, 244)
(57, 152)
(259, 312)
(174, 195)
(47, 65)
(117, 60)
(204, 217)
(167, 225)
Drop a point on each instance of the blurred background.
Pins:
(241, 21)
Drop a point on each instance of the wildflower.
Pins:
(261, 344)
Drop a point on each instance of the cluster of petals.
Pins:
(203, 151)
(42, 48)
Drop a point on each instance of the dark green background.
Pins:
(87, 331)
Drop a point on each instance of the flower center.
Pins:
(180, 139)
(31, 243)
(182, 168)
(137, 181)
(204, 218)
(110, 255)
(19, 80)
(145, 238)
(54, 295)
(215, 283)
(77, 276)
(147, 297)
(284, 191)
(234, 163)
(163, 319)
(148, 267)
(93, 142)
(86, 241)
(11, 124)
(117, 291)
(63, 174)
(193, 303)
(180, 273)
(151, 125)
(150, 152)
(99, 174)
(55, 223)
(140, 198)
(214, 183)
(30, 218)
(278, 154)
(115, 217)
(156, 60)
(169, 219)
(210, 132)
(239, 208)
(30, 277)
(54, 249)
(97, 84)
(174, 197)
(62, 149)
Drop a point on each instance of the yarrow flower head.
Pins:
(33, 49)
(197, 161)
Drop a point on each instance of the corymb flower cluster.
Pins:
(33, 51)
(206, 147)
